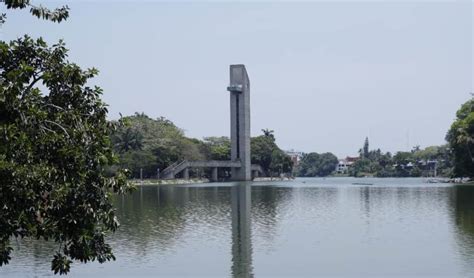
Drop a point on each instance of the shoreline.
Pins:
(195, 180)
(168, 182)
(463, 181)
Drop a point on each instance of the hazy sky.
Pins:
(323, 74)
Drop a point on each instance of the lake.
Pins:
(306, 227)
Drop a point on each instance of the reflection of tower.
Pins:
(241, 235)
(240, 121)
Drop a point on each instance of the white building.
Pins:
(344, 164)
(342, 167)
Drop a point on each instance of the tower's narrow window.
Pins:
(237, 131)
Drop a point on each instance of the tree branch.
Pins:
(32, 84)
(58, 125)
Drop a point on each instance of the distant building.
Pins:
(342, 167)
(344, 164)
(295, 156)
(351, 159)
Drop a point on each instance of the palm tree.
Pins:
(268, 133)
(130, 139)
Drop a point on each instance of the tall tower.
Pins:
(239, 89)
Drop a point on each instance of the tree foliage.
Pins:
(262, 148)
(216, 148)
(317, 165)
(54, 148)
(415, 163)
(461, 140)
(365, 149)
(266, 153)
(54, 15)
(152, 144)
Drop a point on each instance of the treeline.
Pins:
(150, 145)
(316, 165)
(454, 159)
(415, 163)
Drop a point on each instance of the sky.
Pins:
(324, 75)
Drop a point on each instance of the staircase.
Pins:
(171, 171)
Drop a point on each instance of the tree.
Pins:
(416, 149)
(268, 133)
(360, 168)
(267, 154)
(128, 139)
(365, 149)
(280, 163)
(54, 149)
(262, 148)
(151, 144)
(461, 140)
(317, 165)
(139, 160)
(217, 148)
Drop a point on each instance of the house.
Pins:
(342, 167)
(344, 164)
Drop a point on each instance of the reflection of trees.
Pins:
(411, 198)
(149, 215)
(463, 209)
(266, 203)
(157, 219)
(419, 201)
(158, 215)
(365, 201)
(35, 254)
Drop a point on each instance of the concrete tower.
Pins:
(239, 89)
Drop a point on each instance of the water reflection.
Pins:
(159, 219)
(316, 228)
(269, 206)
(153, 217)
(463, 214)
(241, 235)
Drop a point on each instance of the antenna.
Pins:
(408, 140)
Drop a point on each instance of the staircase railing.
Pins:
(175, 168)
(169, 168)
(178, 168)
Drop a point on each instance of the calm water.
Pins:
(307, 227)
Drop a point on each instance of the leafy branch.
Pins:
(55, 15)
